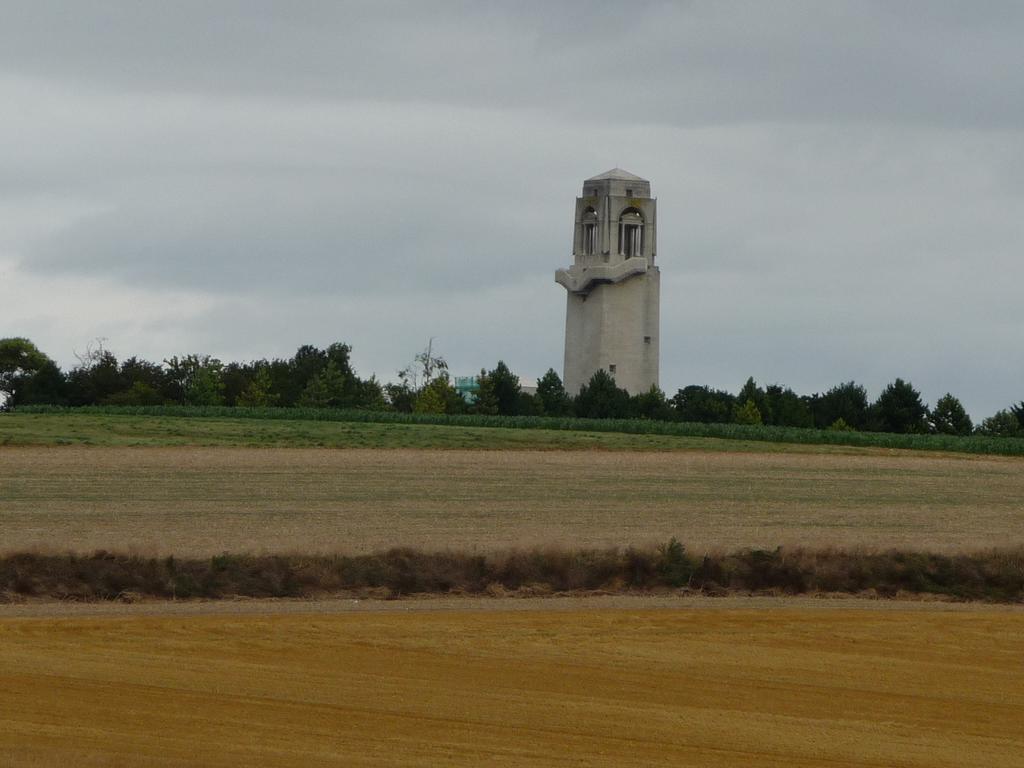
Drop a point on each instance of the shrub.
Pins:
(674, 566)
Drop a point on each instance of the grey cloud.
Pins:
(839, 183)
(942, 62)
(299, 233)
(261, 196)
(281, 239)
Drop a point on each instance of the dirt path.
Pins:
(431, 603)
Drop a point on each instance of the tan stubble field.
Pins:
(711, 683)
(202, 501)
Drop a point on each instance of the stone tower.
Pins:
(613, 285)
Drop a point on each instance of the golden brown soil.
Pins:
(208, 500)
(718, 686)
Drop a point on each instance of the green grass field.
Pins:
(769, 434)
(116, 427)
(124, 430)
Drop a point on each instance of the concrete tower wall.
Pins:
(612, 307)
(615, 327)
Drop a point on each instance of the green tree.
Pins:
(899, 409)
(400, 396)
(139, 393)
(428, 370)
(281, 375)
(259, 393)
(486, 402)
(1018, 411)
(96, 378)
(428, 401)
(651, 405)
(848, 401)
(298, 372)
(237, 378)
(703, 404)
(505, 386)
(308, 362)
(19, 359)
(341, 355)
(600, 398)
(370, 395)
(1001, 424)
(327, 389)
(750, 391)
(950, 418)
(436, 397)
(195, 379)
(135, 382)
(787, 408)
(205, 387)
(552, 395)
(47, 386)
(748, 413)
(529, 405)
(136, 369)
(425, 368)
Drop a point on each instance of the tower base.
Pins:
(614, 327)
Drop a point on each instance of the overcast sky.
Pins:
(840, 184)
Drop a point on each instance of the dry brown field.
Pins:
(713, 684)
(198, 501)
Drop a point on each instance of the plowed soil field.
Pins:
(201, 501)
(726, 686)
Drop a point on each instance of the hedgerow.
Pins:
(994, 575)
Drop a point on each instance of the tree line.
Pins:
(325, 378)
(312, 377)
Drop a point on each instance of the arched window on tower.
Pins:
(589, 232)
(631, 233)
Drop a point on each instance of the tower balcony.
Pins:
(581, 280)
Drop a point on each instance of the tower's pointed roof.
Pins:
(617, 174)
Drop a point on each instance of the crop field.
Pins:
(202, 501)
(97, 427)
(709, 685)
(486, 429)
